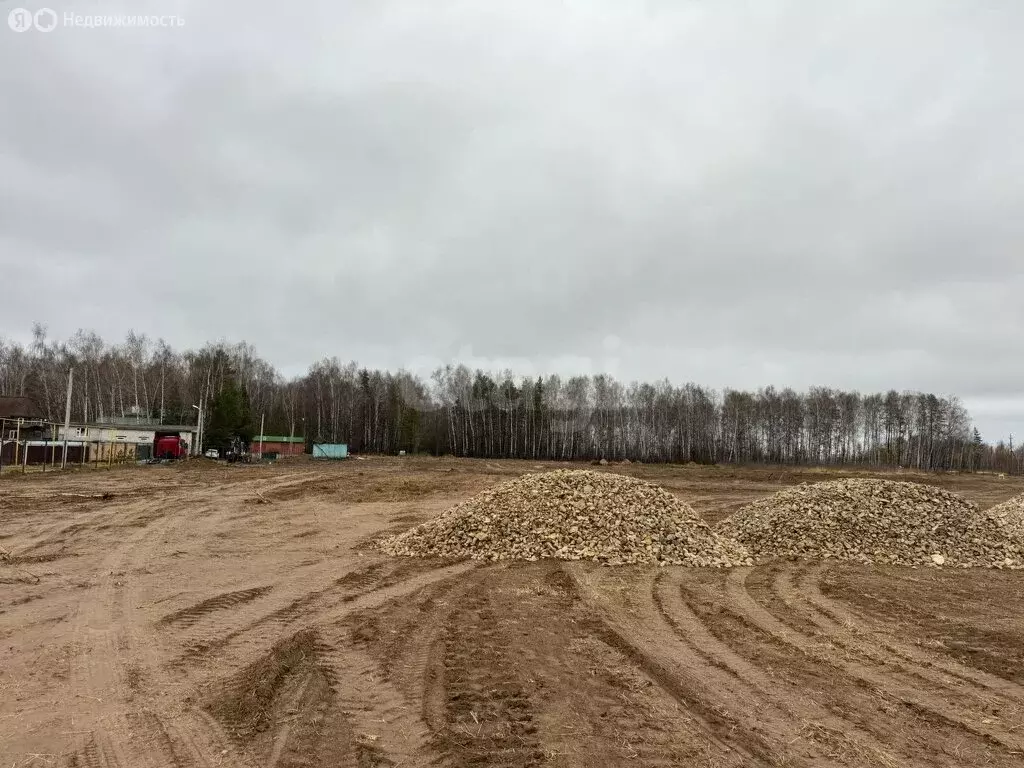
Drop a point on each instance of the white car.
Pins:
(212, 453)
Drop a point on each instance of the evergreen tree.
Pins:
(229, 417)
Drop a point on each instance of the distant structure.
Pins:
(128, 437)
(24, 408)
(281, 445)
(330, 450)
(26, 437)
(21, 421)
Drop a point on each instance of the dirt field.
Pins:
(236, 616)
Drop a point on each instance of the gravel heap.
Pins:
(571, 515)
(1010, 515)
(880, 521)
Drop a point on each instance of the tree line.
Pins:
(497, 415)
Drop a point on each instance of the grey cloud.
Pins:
(785, 193)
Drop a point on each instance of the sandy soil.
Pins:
(208, 615)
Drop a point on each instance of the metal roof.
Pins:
(138, 427)
(277, 439)
(19, 408)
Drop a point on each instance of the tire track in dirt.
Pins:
(388, 725)
(412, 656)
(909, 737)
(727, 715)
(292, 486)
(148, 729)
(622, 712)
(738, 685)
(96, 512)
(108, 634)
(175, 731)
(95, 674)
(186, 617)
(92, 755)
(311, 701)
(800, 590)
(284, 733)
(804, 715)
(430, 659)
(623, 716)
(105, 633)
(358, 581)
(892, 681)
(486, 715)
(58, 536)
(406, 652)
(309, 585)
(388, 728)
(219, 631)
(279, 708)
(403, 640)
(55, 541)
(327, 605)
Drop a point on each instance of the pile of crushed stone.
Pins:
(572, 515)
(1010, 516)
(877, 521)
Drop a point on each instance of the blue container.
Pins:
(330, 450)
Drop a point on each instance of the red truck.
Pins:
(170, 448)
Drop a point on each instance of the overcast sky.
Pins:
(733, 193)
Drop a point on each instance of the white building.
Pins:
(101, 438)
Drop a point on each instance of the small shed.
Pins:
(330, 450)
(21, 420)
(279, 444)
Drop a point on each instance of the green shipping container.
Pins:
(330, 450)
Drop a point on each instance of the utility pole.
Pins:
(197, 449)
(67, 419)
(262, 415)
